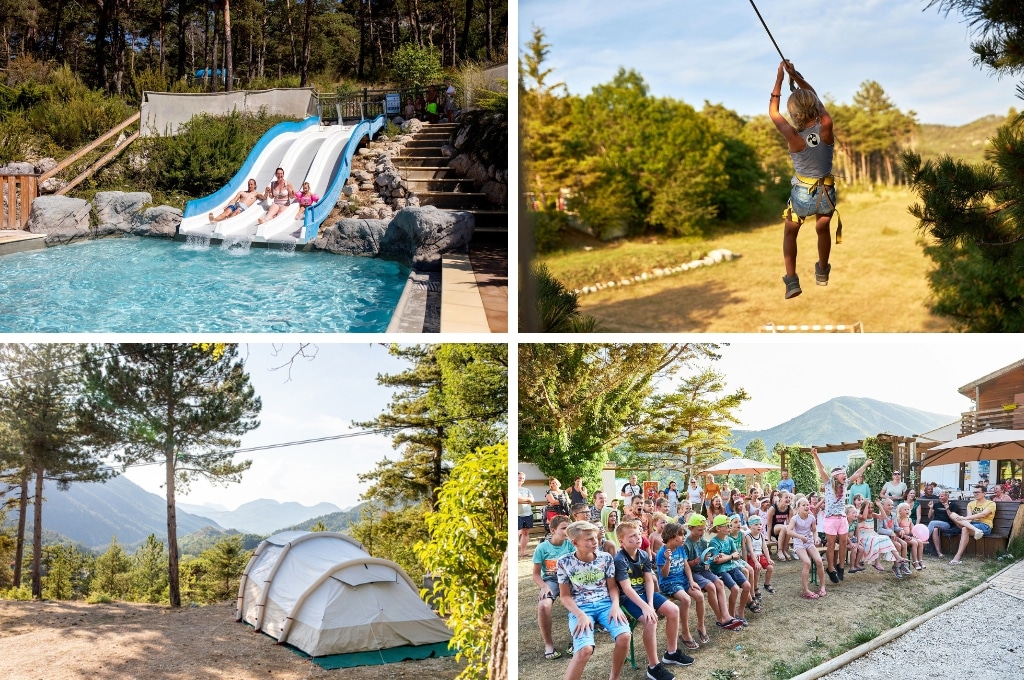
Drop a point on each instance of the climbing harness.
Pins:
(820, 187)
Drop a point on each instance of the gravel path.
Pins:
(981, 638)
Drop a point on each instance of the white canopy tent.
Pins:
(322, 593)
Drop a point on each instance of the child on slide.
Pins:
(813, 193)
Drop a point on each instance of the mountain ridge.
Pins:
(844, 419)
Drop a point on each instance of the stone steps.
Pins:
(423, 152)
(402, 162)
(426, 172)
(452, 200)
(439, 184)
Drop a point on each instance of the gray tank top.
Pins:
(816, 158)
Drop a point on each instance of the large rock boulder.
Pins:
(352, 237)
(117, 211)
(61, 218)
(163, 221)
(418, 236)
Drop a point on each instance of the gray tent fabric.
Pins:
(163, 113)
(323, 594)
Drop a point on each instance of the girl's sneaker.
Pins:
(821, 275)
(897, 572)
(906, 567)
(792, 286)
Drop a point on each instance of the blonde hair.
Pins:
(803, 107)
(577, 529)
(623, 527)
(903, 506)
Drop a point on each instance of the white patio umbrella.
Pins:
(983, 445)
(739, 466)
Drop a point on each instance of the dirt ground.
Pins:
(64, 640)
(782, 640)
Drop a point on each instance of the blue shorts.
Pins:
(733, 578)
(703, 578)
(634, 609)
(985, 529)
(803, 204)
(673, 587)
(598, 612)
(553, 591)
(525, 521)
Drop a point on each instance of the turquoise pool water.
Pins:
(143, 285)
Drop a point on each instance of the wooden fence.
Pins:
(18, 193)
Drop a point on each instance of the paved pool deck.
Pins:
(16, 240)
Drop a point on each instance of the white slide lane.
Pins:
(311, 155)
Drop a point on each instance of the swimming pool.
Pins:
(141, 285)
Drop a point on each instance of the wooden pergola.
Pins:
(906, 451)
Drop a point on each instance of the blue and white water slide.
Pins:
(308, 152)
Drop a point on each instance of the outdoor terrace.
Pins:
(1010, 417)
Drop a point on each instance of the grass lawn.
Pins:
(878, 277)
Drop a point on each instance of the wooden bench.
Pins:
(1009, 522)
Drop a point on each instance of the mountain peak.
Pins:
(845, 418)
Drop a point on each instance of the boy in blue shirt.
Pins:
(545, 562)
(587, 589)
(635, 577)
(677, 584)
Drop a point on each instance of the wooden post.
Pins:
(20, 190)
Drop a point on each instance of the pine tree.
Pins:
(112, 572)
(225, 562)
(975, 213)
(38, 403)
(179, 405)
(691, 427)
(437, 414)
(149, 571)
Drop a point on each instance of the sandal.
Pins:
(754, 607)
(781, 557)
(878, 568)
(703, 637)
(821, 592)
(808, 595)
(955, 562)
(552, 655)
(768, 587)
(690, 644)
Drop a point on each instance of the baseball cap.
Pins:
(719, 520)
(695, 520)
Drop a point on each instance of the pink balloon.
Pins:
(920, 532)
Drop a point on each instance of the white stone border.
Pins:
(714, 257)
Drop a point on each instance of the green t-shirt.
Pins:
(863, 489)
(547, 555)
(726, 546)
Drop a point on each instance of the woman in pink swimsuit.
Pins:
(282, 192)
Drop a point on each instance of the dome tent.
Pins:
(323, 594)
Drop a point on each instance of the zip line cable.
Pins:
(772, 38)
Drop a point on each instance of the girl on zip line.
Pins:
(813, 193)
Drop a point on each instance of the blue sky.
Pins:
(720, 52)
(787, 376)
(322, 399)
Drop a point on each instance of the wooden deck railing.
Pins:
(993, 418)
(18, 193)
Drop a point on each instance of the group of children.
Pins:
(651, 565)
(576, 566)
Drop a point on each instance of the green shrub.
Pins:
(21, 593)
(546, 227)
(558, 307)
(415, 65)
(150, 80)
(14, 134)
(204, 156)
(71, 114)
(99, 598)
